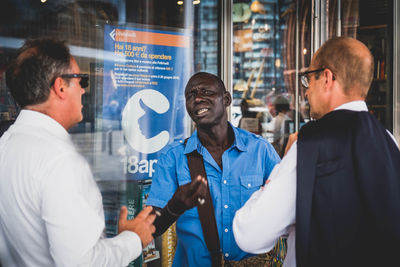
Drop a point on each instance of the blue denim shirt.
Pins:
(246, 166)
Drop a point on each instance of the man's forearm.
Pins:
(117, 251)
(165, 218)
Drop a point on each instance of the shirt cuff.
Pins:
(156, 203)
(135, 244)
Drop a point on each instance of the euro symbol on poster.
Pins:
(130, 121)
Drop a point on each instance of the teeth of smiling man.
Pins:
(201, 111)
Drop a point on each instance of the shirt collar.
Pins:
(194, 142)
(358, 105)
(239, 143)
(39, 120)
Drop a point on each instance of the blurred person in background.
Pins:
(250, 120)
(282, 108)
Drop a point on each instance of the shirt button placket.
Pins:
(225, 198)
(225, 215)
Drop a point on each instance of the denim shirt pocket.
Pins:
(249, 184)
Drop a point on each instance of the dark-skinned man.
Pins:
(236, 162)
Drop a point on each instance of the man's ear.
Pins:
(328, 78)
(227, 98)
(58, 87)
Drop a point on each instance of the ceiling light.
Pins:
(277, 63)
(257, 7)
(196, 2)
(43, 1)
(180, 3)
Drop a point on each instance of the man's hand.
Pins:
(185, 197)
(292, 139)
(188, 196)
(142, 224)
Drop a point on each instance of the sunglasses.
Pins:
(84, 82)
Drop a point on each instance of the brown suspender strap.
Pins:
(206, 211)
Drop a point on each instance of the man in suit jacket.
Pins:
(337, 191)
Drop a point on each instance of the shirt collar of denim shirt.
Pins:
(193, 142)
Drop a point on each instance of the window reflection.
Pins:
(371, 23)
(82, 24)
(264, 62)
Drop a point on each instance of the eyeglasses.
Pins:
(305, 81)
(84, 82)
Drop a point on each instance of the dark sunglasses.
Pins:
(84, 82)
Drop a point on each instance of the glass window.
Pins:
(268, 51)
(371, 22)
(139, 55)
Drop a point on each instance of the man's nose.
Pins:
(199, 97)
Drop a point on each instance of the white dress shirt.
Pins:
(271, 211)
(51, 211)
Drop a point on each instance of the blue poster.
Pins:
(143, 92)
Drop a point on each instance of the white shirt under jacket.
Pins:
(271, 211)
(51, 211)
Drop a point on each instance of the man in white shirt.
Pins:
(336, 192)
(51, 211)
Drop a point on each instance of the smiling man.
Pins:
(236, 162)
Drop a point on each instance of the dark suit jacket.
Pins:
(348, 193)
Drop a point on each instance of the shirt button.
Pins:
(224, 181)
(225, 206)
(248, 185)
(226, 254)
(226, 230)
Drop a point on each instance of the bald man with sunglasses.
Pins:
(51, 211)
(337, 190)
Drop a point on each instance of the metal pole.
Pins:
(316, 26)
(339, 18)
(296, 93)
(323, 21)
(226, 45)
(396, 71)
